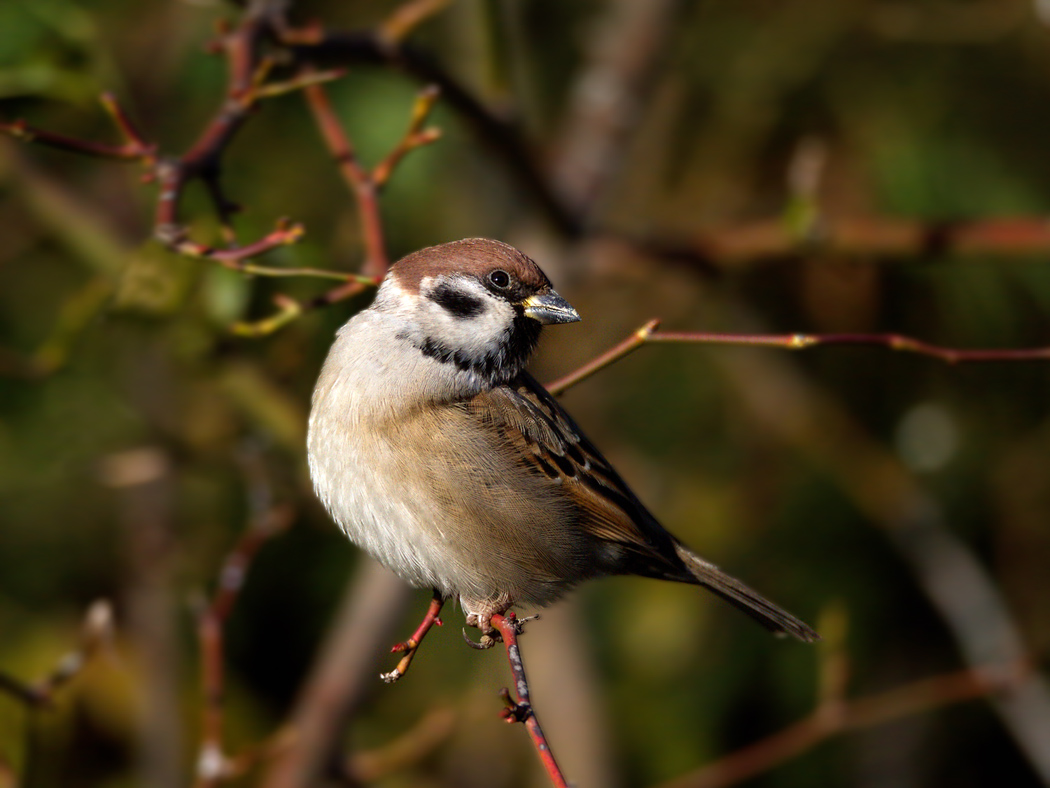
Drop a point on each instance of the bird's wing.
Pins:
(550, 444)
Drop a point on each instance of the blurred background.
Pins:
(744, 166)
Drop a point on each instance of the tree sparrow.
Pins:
(438, 454)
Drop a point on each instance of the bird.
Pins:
(436, 452)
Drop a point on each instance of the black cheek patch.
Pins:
(456, 302)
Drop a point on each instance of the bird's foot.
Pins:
(491, 636)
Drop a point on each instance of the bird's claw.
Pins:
(487, 640)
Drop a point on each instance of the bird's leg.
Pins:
(409, 647)
(520, 708)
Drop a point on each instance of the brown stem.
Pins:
(890, 341)
(610, 356)
(339, 681)
(414, 137)
(20, 130)
(365, 185)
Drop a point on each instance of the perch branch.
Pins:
(520, 708)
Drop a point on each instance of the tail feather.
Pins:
(773, 618)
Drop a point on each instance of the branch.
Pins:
(412, 746)
(648, 334)
(96, 633)
(340, 679)
(135, 148)
(327, 48)
(520, 709)
(366, 185)
(213, 764)
(834, 717)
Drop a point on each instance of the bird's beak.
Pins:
(550, 308)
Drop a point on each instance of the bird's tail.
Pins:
(767, 614)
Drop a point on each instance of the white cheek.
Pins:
(477, 335)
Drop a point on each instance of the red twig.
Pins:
(357, 178)
(135, 148)
(410, 646)
(364, 184)
(648, 334)
(520, 709)
(283, 235)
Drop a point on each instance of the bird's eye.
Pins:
(500, 278)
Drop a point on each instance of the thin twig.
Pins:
(520, 709)
(213, 764)
(610, 356)
(897, 342)
(407, 17)
(410, 646)
(835, 716)
(284, 234)
(414, 137)
(135, 148)
(96, 633)
(648, 334)
(366, 185)
(358, 179)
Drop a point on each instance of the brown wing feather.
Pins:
(528, 417)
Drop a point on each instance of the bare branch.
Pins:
(648, 334)
(96, 633)
(213, 764)
(836, 717)
(520, 709)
